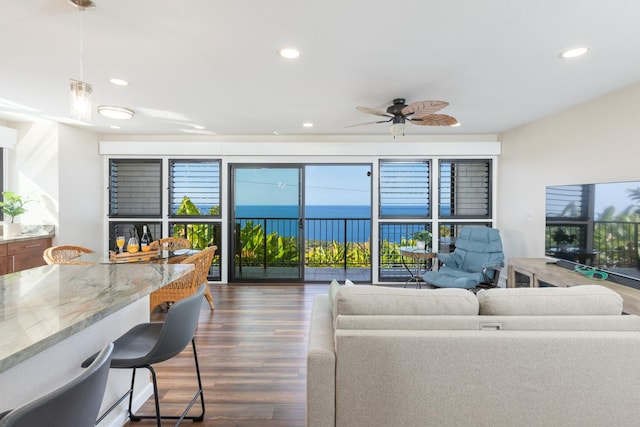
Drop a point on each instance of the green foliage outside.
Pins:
(615, 234)
(200, 235)
(259, 249)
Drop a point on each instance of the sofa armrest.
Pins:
(321, 366)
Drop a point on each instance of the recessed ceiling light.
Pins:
(114, 112)
(119, 82)
(307, 124)
(199, 127)
(114, 127)
(572, 53)
(289, 53)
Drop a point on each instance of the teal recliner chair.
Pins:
(476, 260)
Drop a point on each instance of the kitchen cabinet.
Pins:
(22, 254)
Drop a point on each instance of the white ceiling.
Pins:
(214, 63)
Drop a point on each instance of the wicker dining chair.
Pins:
(189, 284)
(170, 243)
(65, 254)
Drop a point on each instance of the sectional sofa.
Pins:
(381, 356)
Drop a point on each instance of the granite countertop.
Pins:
(30, 232)
(42, 306)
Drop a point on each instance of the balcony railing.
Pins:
(329, 242)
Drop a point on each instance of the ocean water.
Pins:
(326, 223)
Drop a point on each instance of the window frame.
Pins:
(111, 196)
(170, 190)
(428, 188)
(489, 190)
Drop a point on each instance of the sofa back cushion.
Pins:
(379, 300)
(587, 300)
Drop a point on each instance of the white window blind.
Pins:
(135, 188)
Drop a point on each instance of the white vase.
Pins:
(420, 245)
(12, 229)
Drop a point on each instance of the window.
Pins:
(135, 188)
(392, 237)
(201, 235)
(465, 189)
(404, 189)
(136, 197)
(194, 188)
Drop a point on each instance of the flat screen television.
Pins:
(596, 225)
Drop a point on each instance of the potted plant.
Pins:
(12, 205)
(562, 238)
(423, 238)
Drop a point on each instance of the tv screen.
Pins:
(595, 225)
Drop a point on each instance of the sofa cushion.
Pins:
(334, 287)
(549, 301)
(379, 300)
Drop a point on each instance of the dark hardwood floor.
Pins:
(252, 353)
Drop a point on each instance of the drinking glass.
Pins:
(120, 243)
(132, 245)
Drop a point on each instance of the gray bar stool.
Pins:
(76, 403)
(154, 342)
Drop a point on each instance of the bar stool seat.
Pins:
(149, 343)
(76, 403)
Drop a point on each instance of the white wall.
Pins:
(60, 168)
(595, 142)
(81, 217)
(33, 171)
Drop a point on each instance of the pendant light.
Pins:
(81, 90)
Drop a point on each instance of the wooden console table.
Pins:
(539, 270)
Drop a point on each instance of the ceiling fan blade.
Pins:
(373, 111)
(422, 108)
(368, 123)
(434, 120)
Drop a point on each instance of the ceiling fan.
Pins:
(419, 113)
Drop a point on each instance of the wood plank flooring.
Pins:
(252, 354)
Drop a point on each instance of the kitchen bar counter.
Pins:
(53, 317)
(42, 306)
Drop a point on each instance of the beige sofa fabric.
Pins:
(572, 301)
(321, 366)
(379, 300)
(402, 357)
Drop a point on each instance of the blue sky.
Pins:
(325, 185)
(614, 194)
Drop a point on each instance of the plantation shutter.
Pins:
(135, 188)
(465, 189)
(197, 183)
(404, 189)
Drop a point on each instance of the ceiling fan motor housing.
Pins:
(396, 108)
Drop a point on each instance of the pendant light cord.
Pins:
(81, 9)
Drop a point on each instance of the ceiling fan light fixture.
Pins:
(397, 127)
(115, 112)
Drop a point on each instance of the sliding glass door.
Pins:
(267, 218)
